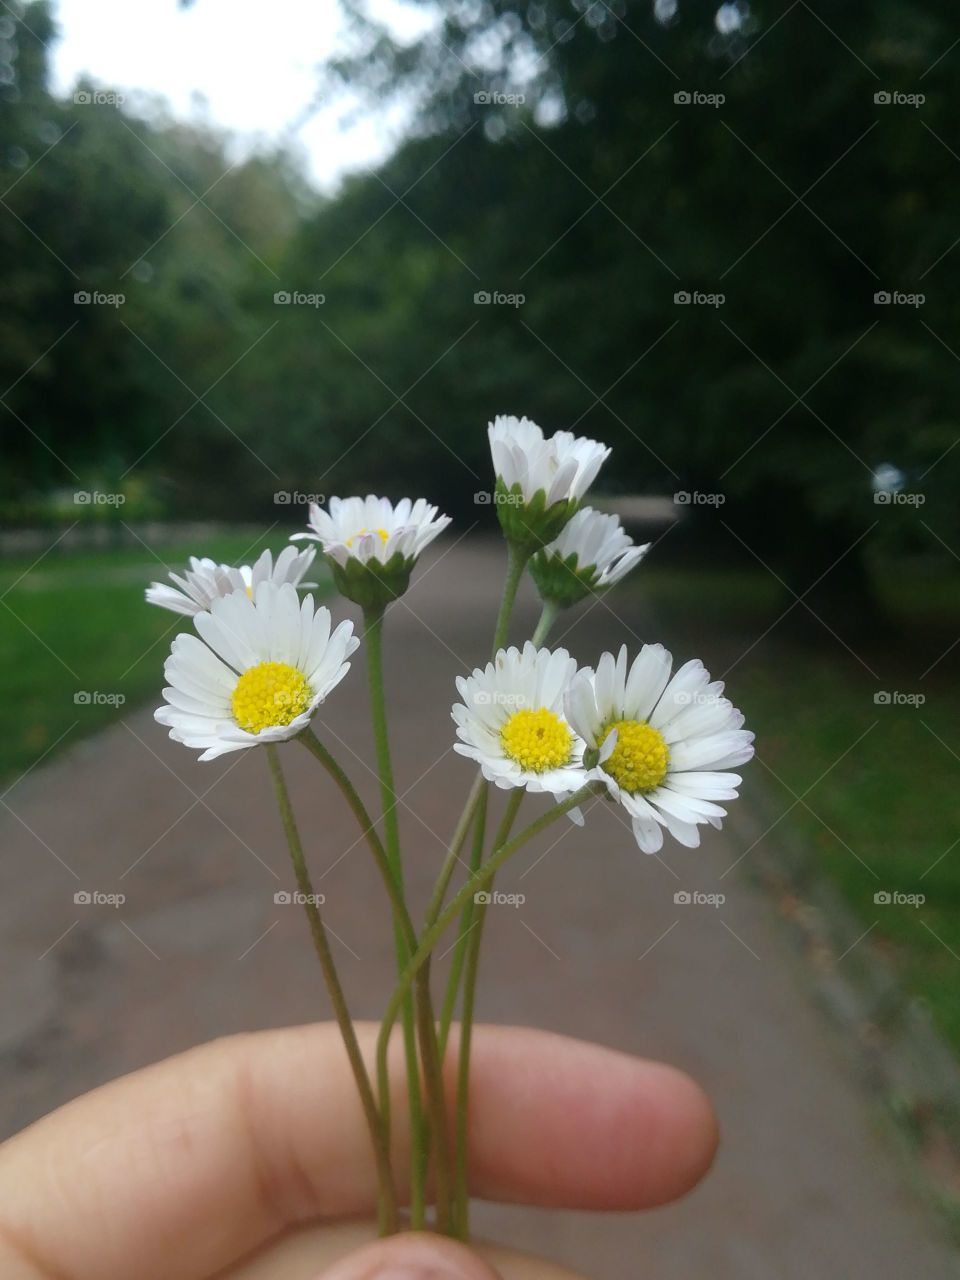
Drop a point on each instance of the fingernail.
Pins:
(415, 1256)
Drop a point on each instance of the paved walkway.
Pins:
(808, 1184)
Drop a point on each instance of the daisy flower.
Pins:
(372, 545)
(256, 672)
(206, 581)
(660, 745)
(511, 721)
(592, 553)
(563, 466)
(540, 481)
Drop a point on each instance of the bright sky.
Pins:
(251, 71)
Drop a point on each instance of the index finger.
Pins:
(208, 1155)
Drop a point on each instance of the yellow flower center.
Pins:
(537, 740)
(640, 759)
(271, 693)
(384, 536)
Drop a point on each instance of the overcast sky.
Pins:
(255, 69)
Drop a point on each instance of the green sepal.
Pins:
(562, 581)
(530, 525)
(372, 584)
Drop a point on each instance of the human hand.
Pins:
(248, 1158)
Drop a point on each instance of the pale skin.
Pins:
(247, 1158)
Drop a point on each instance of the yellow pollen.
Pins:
(384, 536)
(537, 740)
(640, 759)
(271, 693)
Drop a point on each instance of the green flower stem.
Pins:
(467, 961)
(400, 913)
(431, 1056)
(517, 559)
(548, 616)
(461, 1199)
(373, 627)
(432, 934)
(388, 1221)
(477, 793)
(466, 925)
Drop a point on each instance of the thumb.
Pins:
(413, 1256)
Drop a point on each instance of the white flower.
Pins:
(592, 552)
(206, 581)
(563, 466)
(511, 721)
(673, 741)
(366, 529)
(258, 673)
(599, 542)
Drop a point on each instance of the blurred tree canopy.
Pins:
(597, 157)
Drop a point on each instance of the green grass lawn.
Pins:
(880, 782)
(78, 623)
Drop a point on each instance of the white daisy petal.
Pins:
(563, 467)
(511, 721)
(205, 581)
(373, 529)
(667, 743)
(266, 665)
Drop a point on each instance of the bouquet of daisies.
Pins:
(659, 742)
